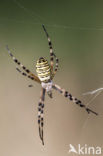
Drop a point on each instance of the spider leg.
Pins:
(75, 100)
(50, 94)
(25, 74)
(40, 114)
(52, 55)
(29, 73)
(39, 118)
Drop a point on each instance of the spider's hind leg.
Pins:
(52, 54)
(26, 72)
(26, 75)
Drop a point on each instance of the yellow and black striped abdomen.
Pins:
(43, 70)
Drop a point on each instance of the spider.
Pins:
(46, 73)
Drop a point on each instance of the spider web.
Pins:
(39, 20)
(97, 93)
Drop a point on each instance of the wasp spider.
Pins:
(46, 73)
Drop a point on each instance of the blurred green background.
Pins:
(76, 31)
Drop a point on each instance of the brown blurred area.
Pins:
(65, 123)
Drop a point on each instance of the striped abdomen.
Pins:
(43, 70)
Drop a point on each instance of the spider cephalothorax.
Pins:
(45, 74)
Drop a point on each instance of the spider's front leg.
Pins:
(40, 114)
(52, 55)
(75, 100)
